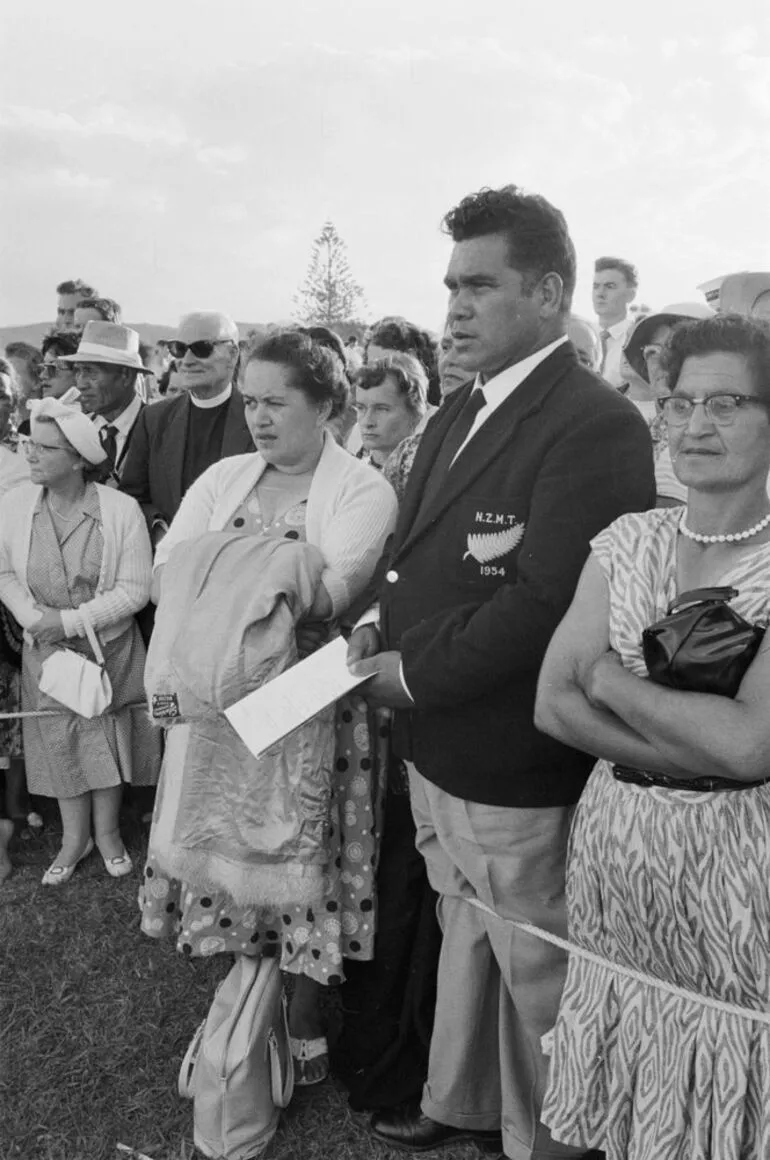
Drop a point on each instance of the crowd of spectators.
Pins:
(536, 864)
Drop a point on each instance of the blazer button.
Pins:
(391, 576)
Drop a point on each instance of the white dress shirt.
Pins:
(618, 332)
(122, 425)
(497, 389)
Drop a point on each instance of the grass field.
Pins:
(95, 1019)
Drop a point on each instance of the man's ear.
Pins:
(551, 295)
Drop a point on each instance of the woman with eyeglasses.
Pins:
(646, 382)
(69, 549)
(662, 1044)
(56, 377)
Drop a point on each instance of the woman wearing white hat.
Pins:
(71, 551)
(641, 354)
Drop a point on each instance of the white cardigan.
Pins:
(351, 511)
(126, 569)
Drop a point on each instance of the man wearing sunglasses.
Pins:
(177, 439)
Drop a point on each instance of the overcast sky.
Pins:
(184, 154)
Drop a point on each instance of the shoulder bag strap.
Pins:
(281, 1080)
(93, 639)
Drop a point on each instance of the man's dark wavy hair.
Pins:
(61, 342)
(395, 333)
(77, 286)
(722, 334)
(627, 269)
(315, 369)
(537, 233)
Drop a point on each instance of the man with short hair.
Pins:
(615, 285)
(96, 310)
(107, 364)
(69, 294)
(514, 475)
(177, 439)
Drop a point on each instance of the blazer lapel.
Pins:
(494, 439)
(430, 443)
(174, 440)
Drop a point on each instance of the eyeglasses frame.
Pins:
(705, 401)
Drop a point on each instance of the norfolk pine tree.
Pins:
(329, 296)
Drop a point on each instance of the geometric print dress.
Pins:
(313, 941)
(674, 885)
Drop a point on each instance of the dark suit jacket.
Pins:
(478, 582)
(152, 469)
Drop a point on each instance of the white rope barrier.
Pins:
(628, 972)
(67, 712)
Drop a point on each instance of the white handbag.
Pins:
(238, 1068)
(73, 680)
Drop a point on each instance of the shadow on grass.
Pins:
(95, 1018)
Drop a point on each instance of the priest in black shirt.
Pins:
(177, 439)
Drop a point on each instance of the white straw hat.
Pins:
(110, 343)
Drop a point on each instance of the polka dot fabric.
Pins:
(314, 941)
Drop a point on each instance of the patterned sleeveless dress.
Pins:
(310, 942)
(674, 884)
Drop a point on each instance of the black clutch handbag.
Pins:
(702, 645)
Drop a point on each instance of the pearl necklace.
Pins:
(726, 537)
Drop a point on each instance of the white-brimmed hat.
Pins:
(110, 343)
(646, 327)
(76, 427)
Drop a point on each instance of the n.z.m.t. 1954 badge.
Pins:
(488, 549)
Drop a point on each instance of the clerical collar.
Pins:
(217, 401)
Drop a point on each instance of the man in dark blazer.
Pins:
(177, 439)
(513, 477)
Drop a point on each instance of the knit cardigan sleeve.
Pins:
(126, 529)
(13, 592)
(353, 536)
(350, 520)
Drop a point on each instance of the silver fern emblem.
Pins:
(486, 546)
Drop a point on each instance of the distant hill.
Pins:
(149, 332)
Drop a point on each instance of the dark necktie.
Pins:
(453, 441)
(109, 438)
(605, 338)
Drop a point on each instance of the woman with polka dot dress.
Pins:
(302, 486)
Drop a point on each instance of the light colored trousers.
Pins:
(498, 987)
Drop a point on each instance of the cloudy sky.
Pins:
(183, 154)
